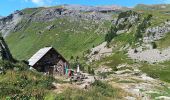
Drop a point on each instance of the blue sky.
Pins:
(9, 6)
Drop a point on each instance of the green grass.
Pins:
(73, 38)
(118, 57)
(98, 91)
(159, 16)
(24, 84)
(113, 61)
(164, 91)
(161, 71)
(126, 81)
(23, 44)
(164, 42)
(35, 86)
(29, 11)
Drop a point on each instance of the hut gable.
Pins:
(48, 59)
(37, 56)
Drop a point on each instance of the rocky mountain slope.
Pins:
(50, 13)
(152, 7)
(8, 24)
(128, 48)
(62, 23)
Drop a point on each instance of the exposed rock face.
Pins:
(7, 24)
(50, 14)
(4, 51)
(156, 33)
(99, 52)
(123, 24)
(44, 14)
(109, 8)
(151, 56)
(128, 16)
(125, 21)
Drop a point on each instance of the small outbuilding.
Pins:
(50, 61)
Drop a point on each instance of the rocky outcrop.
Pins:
(99, 52)
(125, 21)
(123, 24)
(4, 51)
(103, 9)
(128, 16)
(150, 55)
(77, 12)
(7, 24)
(44, 14)
(50, 14)
(156, 33)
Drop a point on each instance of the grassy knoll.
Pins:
(17, 82)
(99, 91)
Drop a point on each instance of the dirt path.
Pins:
(133, 81)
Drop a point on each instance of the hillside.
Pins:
(70, 31)
(126, 49)
(160, 7)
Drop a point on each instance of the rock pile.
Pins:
(151, 55)
(50, 14)
(156, 33)
(125, 21)
(99, 52)
(7, 24)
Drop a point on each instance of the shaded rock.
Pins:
(5, 53)
(156, 33)
(155, 55)
(103, 9)
(99, 52)
(103, 69)
(8, 24)
(50, 27)
(74, 12)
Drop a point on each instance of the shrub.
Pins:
(9, 65)
(105, 89)
(141, 27)
(71, 58)
(8, 90)
(96, 52)
(22, 66)
(6, 64)
(135, 51)
(154, 45)
(111, 34)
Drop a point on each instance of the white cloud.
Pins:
(165, 1)
(41, 2)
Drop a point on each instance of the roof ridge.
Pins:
(38, 55)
